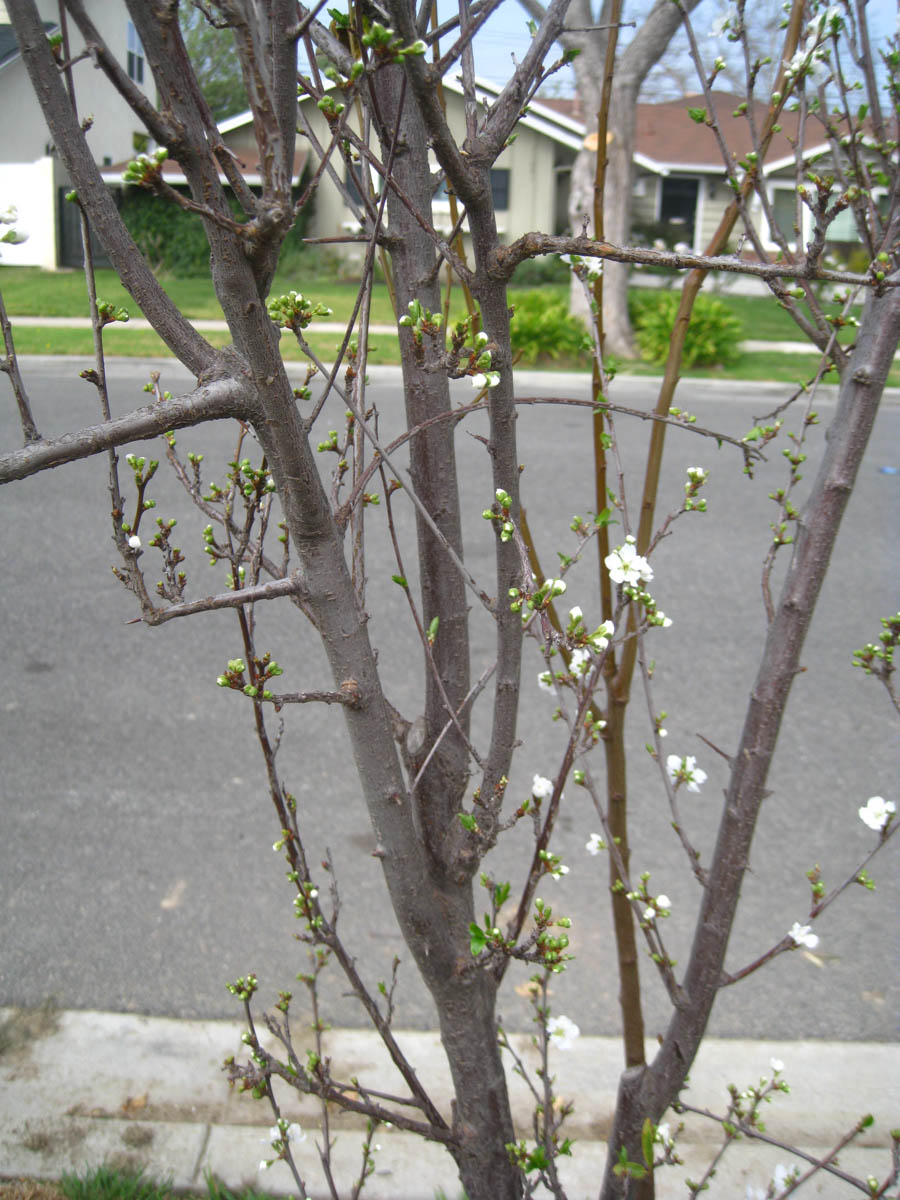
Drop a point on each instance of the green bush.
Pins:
(542, 328)
(536, 271)
(712, 337)
(173, 240)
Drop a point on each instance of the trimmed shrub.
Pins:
(543, 328)
(712, 337)
(173, 240)
(535, 271)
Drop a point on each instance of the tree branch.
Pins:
(530, 245)
(210, 402)
(175, 330)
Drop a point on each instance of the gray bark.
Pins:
(648, 1091)
(632, 67)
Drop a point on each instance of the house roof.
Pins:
(544, 119)
(667, 140)
(174, 175)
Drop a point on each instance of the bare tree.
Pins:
(593, 37)
(433, 788)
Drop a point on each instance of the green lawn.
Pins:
(140, 343)
(29, 291)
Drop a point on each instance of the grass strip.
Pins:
(763, 366)
(31, 291)
(113, 1183)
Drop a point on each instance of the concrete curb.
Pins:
(84, 1088)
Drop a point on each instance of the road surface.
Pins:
(136, 863)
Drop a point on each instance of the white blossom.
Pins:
(802, 935)
(579, 662)
(649, 914)
(599, 639)
(625, 565)
(685, 770)
(876, 812)
(558, 871)
(575, 615)
(595, 844)
(134, 542)
(781, 1176)
(663, 901)
(541, 788)
(776, 1064)
(562, 1032)
(723, 22)
(663, 1134)
(487, 379)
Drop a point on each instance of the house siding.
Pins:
(536, 163)
(26, 141)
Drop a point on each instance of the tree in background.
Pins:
(209, 42)
(594, 38)
(436, 786)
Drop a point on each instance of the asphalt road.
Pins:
(136, 869)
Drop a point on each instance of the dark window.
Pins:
(352, 185)
(784, 212)
(678, 203)
(500, 187)
(135, 55)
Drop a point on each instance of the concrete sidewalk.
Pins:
(750, 346)
(78, 1089)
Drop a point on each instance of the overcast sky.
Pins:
(506, 34)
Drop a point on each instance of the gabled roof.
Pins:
(557, 126)
(542, 118)
(667, 136)
(174, 175)
(667, 139)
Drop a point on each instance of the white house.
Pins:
(530, 179)
(32, 176)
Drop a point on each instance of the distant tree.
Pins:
(588, 33)
(209, 41)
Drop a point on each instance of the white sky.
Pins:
(506, 33)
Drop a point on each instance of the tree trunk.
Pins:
(464, 994)
(648, 1092)
(632, 68)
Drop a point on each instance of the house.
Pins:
(529, 180)
(680, 181)
(33, 176)
(680, 191)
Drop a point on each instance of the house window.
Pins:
(500, 187)
(135, 55)
(784, 213)
(843, 227)
(361, 183)
(350, 183)
(678, 204)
